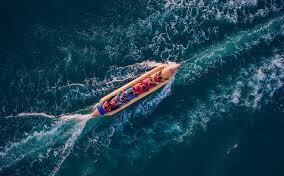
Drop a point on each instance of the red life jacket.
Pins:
(158, 77)
(115, 106)
(148, 83)
(138, 88)
(106, 106)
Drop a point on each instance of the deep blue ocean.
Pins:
(221, 115)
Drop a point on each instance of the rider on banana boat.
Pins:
(148, 83)
(158, 77)
(125, 96)
(138, 88)
(104, 107)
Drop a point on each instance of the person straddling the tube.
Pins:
(125, 96)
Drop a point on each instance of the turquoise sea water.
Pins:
(222, 114)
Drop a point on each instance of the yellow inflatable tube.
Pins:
(166, 70)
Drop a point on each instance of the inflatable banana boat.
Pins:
(135, 90)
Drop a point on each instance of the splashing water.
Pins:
(38, 144)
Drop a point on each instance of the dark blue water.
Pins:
(222, 114)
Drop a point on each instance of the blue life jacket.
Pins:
(101, 109)
(119, 100)
(130, 96)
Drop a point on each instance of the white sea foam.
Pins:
(27, 114)
(266, 80)
(29, 146)
(37, 146)
(69, 144)
(199, 65)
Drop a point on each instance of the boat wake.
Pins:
(56, 141)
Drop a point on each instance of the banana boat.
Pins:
(135, 90)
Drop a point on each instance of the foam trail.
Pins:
(39, 143)
(29, 146)
(77, 130)
(26, 114)
(255, 86)
(197, 66)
